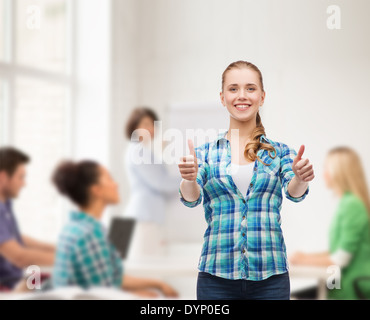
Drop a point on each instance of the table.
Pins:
(301, 276)
(315, 274)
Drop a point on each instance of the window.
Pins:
(39, 130)
(36, 95)
(40, 34)
(2, 27)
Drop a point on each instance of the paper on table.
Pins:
(77, 293)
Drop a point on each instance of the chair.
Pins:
(4, 283)
(359, 292)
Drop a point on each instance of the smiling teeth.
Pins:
(243, 106)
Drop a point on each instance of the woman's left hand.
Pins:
(167, 290)
(146, 293)
(297, 258)
(302, 168)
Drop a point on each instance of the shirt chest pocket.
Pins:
(218, 170)
(220, 178)
(273, 167)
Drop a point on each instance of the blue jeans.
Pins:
(210, 287)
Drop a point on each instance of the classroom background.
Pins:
(71, 71)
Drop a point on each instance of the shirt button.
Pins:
(243, 251)
(243, 217)
(243, 234)
(251, 185)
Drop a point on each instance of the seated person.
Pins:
(16, 251)
(349, 238)
(84, 255)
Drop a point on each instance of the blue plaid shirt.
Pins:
(244, 239)
(84, 256)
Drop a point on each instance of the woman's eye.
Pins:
(233, 89)
(251, 89)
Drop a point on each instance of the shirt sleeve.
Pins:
(353, 223)
(341, 258)
(286, 172)
(5, 233)
(149, 170)
(201, 178)
(92, 254)
(157, 178)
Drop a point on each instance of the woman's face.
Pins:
(146, 128)
(106, 189)
(242, 94)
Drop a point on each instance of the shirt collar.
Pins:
(82, 216)
(222, 135)
(7, 205)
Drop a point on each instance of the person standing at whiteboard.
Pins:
(151, 185)
(240, 177)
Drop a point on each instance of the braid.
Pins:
(252, 148)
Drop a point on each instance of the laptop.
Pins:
(120, 234)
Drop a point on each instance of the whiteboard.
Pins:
(185, 224)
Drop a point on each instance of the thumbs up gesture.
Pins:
(302, 168)
(188, 165)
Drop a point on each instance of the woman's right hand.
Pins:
(188, 165)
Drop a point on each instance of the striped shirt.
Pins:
(84, 256)
(244, 239)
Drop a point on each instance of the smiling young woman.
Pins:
(240, 179)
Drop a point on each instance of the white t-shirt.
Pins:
(242, 176)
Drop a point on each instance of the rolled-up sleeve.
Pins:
(192, 204)
(201, 178)
(286, 172)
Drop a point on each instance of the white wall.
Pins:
(124, 88)
(316, 79)
(93, 80)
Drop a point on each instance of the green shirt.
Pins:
(350, 231)
(84, 256)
